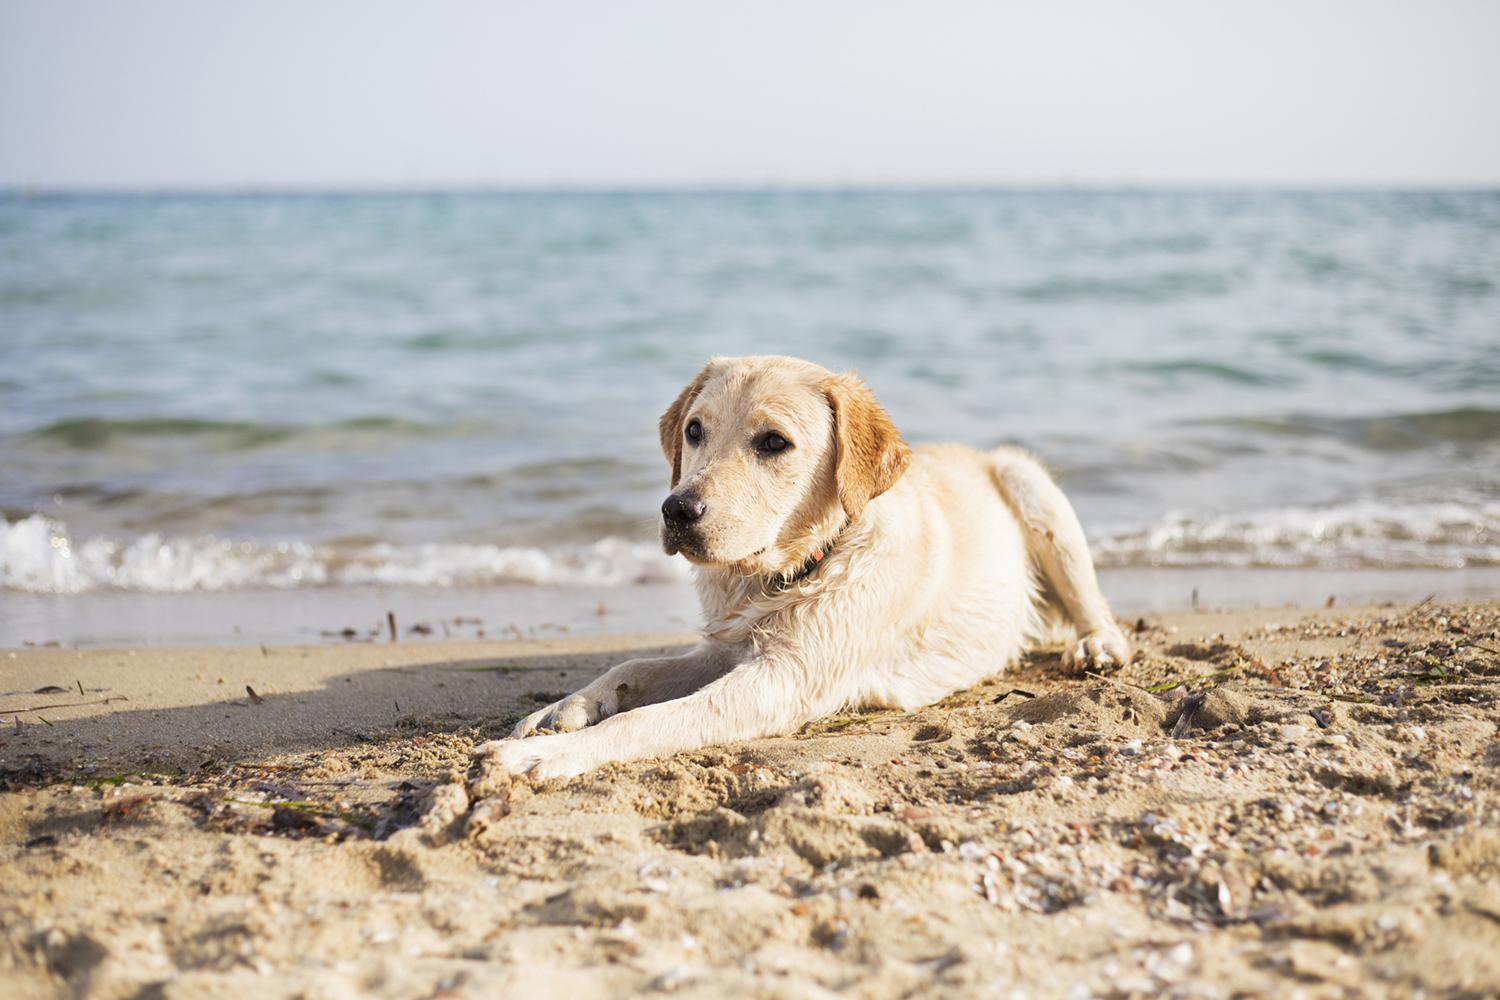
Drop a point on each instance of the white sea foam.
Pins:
(37, 554)
(1366, 535)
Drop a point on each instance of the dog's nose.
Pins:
(682, 509)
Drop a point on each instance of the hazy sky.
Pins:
(371, 93)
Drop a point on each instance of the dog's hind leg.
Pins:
(1059, 554)
(632, 684)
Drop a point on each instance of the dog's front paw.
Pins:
(1100, 649)
(574, 712)
(539, 758)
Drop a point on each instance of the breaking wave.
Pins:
(36, 554)
(1368, 535)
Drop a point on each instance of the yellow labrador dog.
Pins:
(837, 568)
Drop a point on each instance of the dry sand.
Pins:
(1326, 822)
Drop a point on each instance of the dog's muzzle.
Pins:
(680, 514)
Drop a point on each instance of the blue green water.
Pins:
(211, 392)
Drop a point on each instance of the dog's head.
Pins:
(769, 457)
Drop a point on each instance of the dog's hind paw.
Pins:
(574, 712)
(1100, 649)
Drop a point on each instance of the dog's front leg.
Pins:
(632, 684)
(764, 697)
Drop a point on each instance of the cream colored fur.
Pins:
(945, 563)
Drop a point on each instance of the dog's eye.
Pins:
(694, 431)
(772, 443)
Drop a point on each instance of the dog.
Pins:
(837, 568)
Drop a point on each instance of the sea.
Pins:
(244, 417)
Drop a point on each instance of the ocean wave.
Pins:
(101, 434)
(1369, 535)
(37, 554)
(1172, 286)
(1466, 426)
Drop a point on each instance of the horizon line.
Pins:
(40, 191)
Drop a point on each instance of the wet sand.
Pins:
(315, 615)
(1326, 820)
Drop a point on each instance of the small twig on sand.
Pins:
(1253, 662)
(75, 704)
(390, 619)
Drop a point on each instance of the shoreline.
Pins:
(319, 615)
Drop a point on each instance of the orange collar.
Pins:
(819, 553)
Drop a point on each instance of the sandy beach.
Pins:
(1325, 822)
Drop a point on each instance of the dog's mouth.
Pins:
(676, 541)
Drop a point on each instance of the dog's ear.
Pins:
(871, 455)
(670, 424)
